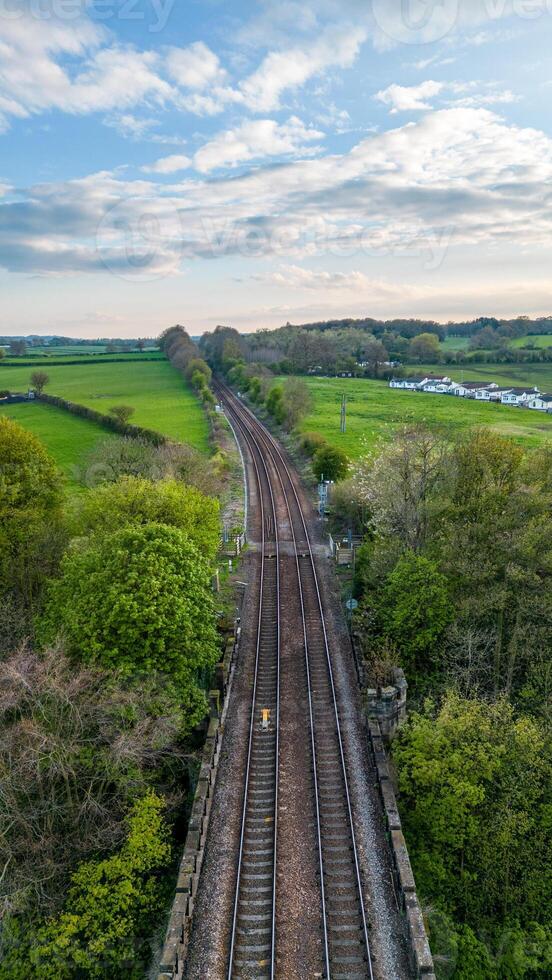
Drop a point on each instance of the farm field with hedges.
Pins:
(67, 438)
(161, 398)
(375, 411)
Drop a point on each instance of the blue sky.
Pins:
(253, 163)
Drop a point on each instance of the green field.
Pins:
(162, 400)
(66, 437)
(536, 340)
(455, 343)
(37, 357)
(375, 411)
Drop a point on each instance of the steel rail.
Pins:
(230, 973)
(248, 419)
(311, 715)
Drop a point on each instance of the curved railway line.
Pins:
(344, 934)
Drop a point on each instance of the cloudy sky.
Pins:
(251, 163)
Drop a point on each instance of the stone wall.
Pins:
(405, 886)
(180, 918)
(388, 704)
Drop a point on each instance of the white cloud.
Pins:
(408, 99)
(169, 165)
(195, 67)
(255, 139)
(456, 176)
(337, 46)
(298, 277)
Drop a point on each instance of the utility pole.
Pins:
(343, 413)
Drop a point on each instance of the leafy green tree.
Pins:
(297, 400)
(140, 502)
(111, 907)
(76, 749)
(196, 365)
(476, 796)
(275, 403)
(122, 413)
(415, 609)
(31, 493)
(138, 602)
(255, 389)
(330, 463)
(39, 380)
(425, 347)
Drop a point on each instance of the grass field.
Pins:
(536, 340)
(63, 353)
(66, 437)
(155, 390)
(375, 411)
(455, 343)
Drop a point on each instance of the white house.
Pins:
(493, 394)
(468, 389)
(542, 403)
(439, 386)
(519, 396)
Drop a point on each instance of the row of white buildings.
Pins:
(481, 391)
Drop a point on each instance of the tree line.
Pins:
(373, 348)
(454, 581)
(107, 645)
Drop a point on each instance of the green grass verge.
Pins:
(67, 438)
(375, 412)
(161, 399)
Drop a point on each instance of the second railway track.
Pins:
(343, 928)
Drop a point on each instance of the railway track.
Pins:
(252, 948)
(344, 932)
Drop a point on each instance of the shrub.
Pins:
(122, 413)
(39, 380)
(275, 403)
(134, 501)
(311, 442)
(330, 463)
(138, 602)
(30, 508)
(416, 609)
(75, 751)
(111, 906)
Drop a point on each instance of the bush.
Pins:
(134, 501)
(114, 458)
(30, 510)
(416, 609)
(75, 751)
(275, 403)
(122, 413)
(330, 463)
(111, 906)
(138, 602)
(311, 442)
(197, 366)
